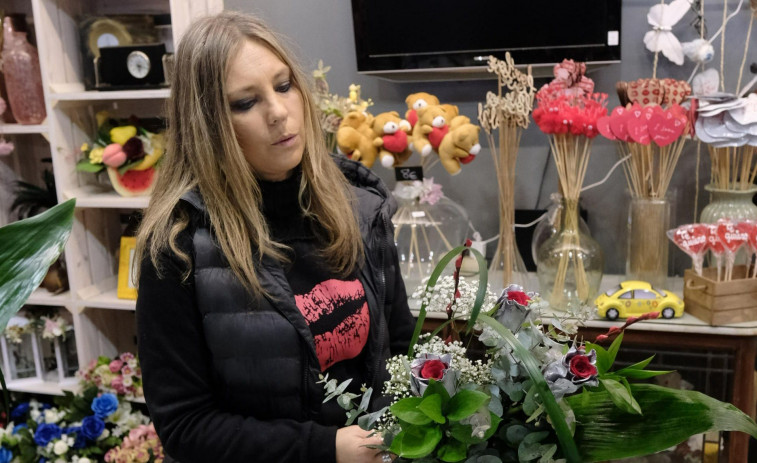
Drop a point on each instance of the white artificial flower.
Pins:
(127, 381)
(105, 434)
(60, 447)
(84, 460)
(51, 416)
(34, 414)
(132, 363)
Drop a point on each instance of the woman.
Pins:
(265, 262)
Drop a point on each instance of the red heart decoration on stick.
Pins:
(730, 236)
(618, 123)
(603, 126)
(691, 238)
(713, 241)
(638, 126)
(750, 228)
(665, 128)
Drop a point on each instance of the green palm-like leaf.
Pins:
(670, 416)
(27, 248)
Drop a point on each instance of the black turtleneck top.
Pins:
(334, 306)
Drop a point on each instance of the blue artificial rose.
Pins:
(105, 405)
(79, 440)
(45, 433)
(5, 455)
(92, 427)
(20, 410)
(18, 427)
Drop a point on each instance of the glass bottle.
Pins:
(23, 79)
(570, 263)
(551, 224)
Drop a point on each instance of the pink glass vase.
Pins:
(23, 79)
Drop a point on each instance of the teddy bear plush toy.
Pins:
(354, 138)
(390, 132)
(430, 129)
(459, 146)
(414, 102)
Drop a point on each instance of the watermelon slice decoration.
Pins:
(133, 182)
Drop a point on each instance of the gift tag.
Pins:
(665, 128)
(731, 238)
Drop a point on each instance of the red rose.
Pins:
(581, 367)
(433, 369)
(518, 296)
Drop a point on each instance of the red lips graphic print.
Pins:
(337, 313)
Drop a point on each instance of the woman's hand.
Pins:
(351, 446)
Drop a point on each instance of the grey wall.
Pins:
(323, 30)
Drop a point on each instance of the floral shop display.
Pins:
(332, 107)
(650, 130)
(507, 112)
(516, 389)
(570, 262)
(120, 375)
(84, 428)
(40, 344)
(129, 150)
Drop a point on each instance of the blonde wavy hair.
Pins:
(202, 152)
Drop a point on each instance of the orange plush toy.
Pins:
(459, 146)
(391, 138)
(416, 101)
(354, 138)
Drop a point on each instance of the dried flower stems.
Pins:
(649, 168)
(733, 168)
(571, 154)
(507, 112)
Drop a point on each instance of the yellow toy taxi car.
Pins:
(632, 298)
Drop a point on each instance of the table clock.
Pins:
(131, 66)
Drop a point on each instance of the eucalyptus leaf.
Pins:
(367, 422)
(27, 249)
(669, 417)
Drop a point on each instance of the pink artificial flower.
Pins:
(126, 356)
(6, 147)
(118, 384)
(115, 365)
(126, 371)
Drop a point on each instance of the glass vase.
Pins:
(23, 79)
(570, 263)
(648, 222)
(423, 233)
(735, 205)
(551, 224)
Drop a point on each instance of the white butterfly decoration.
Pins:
(662, 17)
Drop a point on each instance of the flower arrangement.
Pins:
(49, 325)
(121, 376)
(518, 390)
(141, 445)
(567, 110)
(129, 149)
(508, 112)
(78, 429)
(333, 107)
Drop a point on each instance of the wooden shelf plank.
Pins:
(103, 296)
(97, 196)
(41, 296)
(36, 386)
(94, 95)
(19, 129)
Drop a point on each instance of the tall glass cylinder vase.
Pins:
(570, 263)
(23, 78)
(648, 222)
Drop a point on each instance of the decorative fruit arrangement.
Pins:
(128, 150)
